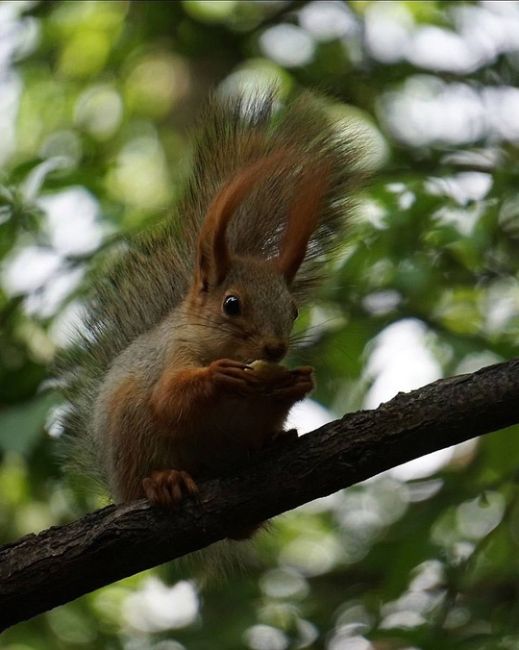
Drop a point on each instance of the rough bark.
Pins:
(41, 571)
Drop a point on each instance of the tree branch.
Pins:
(41, 571)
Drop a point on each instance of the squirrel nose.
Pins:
(274, 351)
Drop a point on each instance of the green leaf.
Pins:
(21, 425)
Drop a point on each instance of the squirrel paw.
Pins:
(233, 376)
(299, 385)
(167, 488)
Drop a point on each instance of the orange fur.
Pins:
(177, 394)
(303, 218)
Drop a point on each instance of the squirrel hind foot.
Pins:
(166, 488)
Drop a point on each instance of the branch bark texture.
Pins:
(39, 572)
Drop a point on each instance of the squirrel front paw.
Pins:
(243, 379)
(298, 383)
(167, 488)
(233, 376)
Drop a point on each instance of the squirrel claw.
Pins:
(167, 488)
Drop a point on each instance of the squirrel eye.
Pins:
(232, 306)
(295, 312)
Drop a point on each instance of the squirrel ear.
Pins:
(213, 255)
(303, 219)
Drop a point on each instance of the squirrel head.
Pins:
(242, 307)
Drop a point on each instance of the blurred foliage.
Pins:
(96, 103)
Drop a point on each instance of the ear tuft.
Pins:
(213, 255)
(303, 218)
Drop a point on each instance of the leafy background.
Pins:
(96, 103)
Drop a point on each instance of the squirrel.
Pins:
(161, 389)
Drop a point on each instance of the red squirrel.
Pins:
(162, 387)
